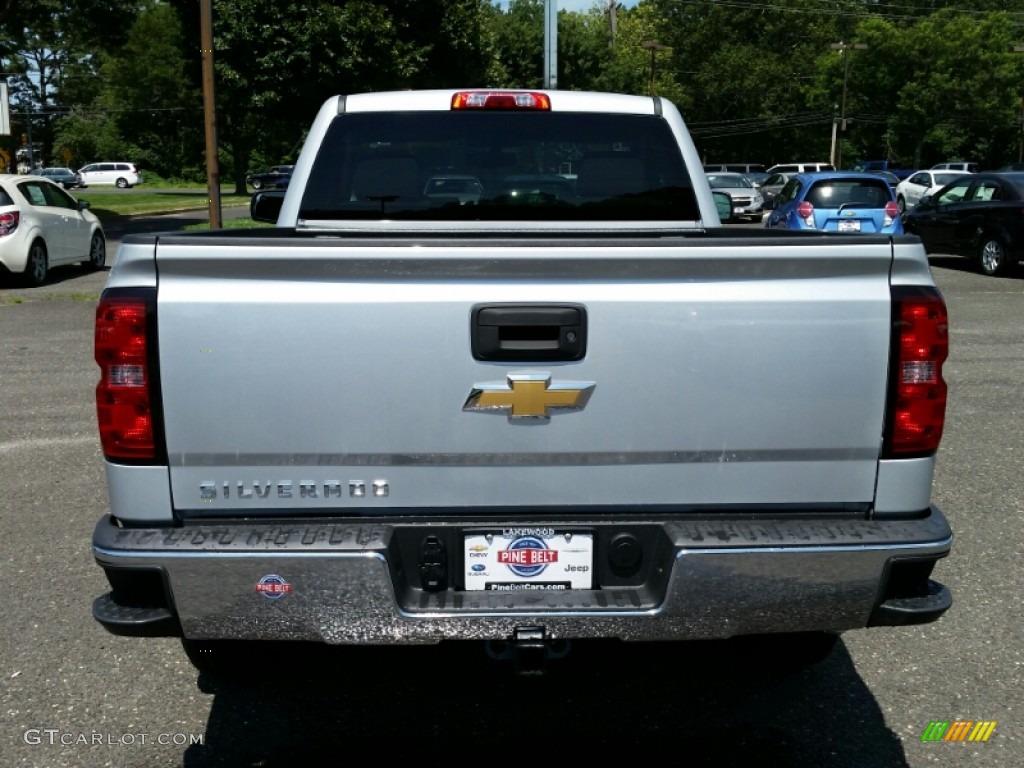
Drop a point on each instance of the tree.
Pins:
(945, 86)
(957, 105)
(53, 43)
(747, 66)
(145, 108)
(629, 67)
(276, 63)
(519, 44)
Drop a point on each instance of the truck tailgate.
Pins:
(304, 375)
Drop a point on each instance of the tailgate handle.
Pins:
(527, 332)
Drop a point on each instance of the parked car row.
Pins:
(955, 211)
(120, 175)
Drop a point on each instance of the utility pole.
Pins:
(843, 48)
(613, 6)
(835, 125)
(1019, 48)
(550, 44)
(209, 112)
(653, 46)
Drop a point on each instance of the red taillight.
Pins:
(9, 222)
(806, 212)
(891, 209)
(123, 395)
(501, 100)
(917, 389)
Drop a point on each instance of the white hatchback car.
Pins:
(121, 175)
(910, 191)
(41, 226)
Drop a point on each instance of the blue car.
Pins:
(837, 201)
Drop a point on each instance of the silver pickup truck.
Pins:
(500, 374)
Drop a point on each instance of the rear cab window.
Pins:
(488, 165)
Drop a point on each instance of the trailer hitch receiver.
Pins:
(529, 648)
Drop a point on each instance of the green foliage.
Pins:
(519, 44)
(747, 67)
(756, 81)
(946, 86)
(144, 109)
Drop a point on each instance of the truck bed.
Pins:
(731, 373)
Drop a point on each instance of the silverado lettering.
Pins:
(285, 489)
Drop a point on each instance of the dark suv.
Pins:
(277, 177)
(65, 177)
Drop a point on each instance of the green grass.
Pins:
(108, 204)
(243, 223)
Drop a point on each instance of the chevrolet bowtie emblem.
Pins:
(529, 396)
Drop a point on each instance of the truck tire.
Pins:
(992, 256)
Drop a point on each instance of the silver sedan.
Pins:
(747, 201)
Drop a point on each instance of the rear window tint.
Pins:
(501, 166)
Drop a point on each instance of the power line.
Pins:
(840, 13)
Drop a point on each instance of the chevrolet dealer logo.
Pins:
(529, 396)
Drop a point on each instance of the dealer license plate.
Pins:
(528, 559)
(849, 226)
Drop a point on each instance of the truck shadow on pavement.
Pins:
(451, 705)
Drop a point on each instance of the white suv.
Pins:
(957, 166)
(122, 175)
(801, 168)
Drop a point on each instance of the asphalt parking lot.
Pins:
(73, 695)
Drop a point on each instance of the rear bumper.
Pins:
(359, 581)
